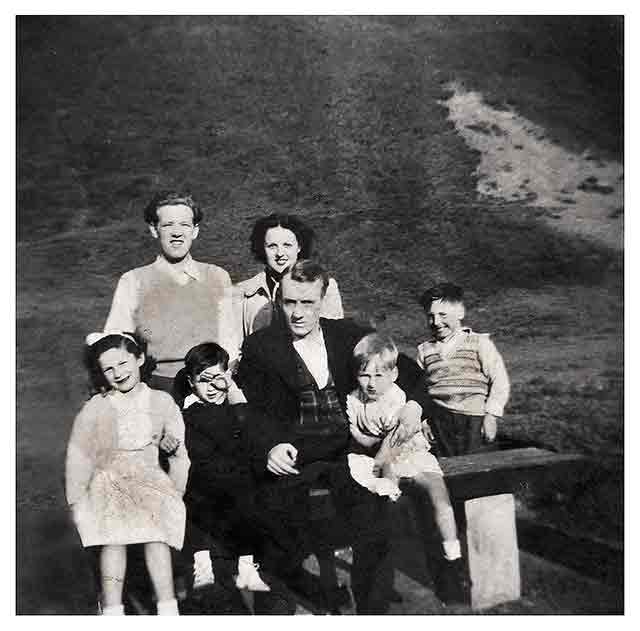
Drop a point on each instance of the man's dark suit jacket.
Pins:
(268, 376)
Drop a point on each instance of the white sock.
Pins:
(114, 610)
(168, 607)
(245, 561)
(451, 549)
(201, 557)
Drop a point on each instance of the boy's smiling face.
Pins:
(444, 318)
(211, 385)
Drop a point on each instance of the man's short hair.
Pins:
(447, 292)
(306, 271)
(375, 345)
(171, 198)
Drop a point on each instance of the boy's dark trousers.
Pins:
(455, 434)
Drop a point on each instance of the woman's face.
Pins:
(281, 249)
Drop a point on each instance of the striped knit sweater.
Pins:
(465, 374)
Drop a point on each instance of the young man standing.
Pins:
(175, 302)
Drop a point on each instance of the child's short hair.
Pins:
(204, 355)
(131, 342)
(196, 360)
(171, 198)
(375, 345)
(447, 292)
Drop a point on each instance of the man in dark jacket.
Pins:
(298, 375)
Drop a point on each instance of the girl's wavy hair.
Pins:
(98, 383)
(304, 234)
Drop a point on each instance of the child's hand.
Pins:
(169, 443)
(234, 393)
(409, 423)
(426, 430)
(489, 427)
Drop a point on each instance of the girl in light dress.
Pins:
(117, 491)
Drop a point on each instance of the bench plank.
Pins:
(505, 471)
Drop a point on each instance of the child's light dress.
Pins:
(121, 494)
(376, 422)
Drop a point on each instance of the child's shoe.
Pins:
(248, 577)
(168, 607)
(452, 584)
(202, 570)
(114, 610)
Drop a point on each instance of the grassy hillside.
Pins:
(338, 119)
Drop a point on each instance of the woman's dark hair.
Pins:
(171, 198)
(196, 360)
(304, 234)
(131, 342)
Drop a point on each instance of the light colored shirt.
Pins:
(313, 352)
(371, 421)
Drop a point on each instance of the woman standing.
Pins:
(277, 241)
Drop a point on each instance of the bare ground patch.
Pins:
(579, 194)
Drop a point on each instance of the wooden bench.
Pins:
(484, 484)
(481, 487)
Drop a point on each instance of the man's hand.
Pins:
(489, 427)
(409, 421)
(282, 458)
(169, 443)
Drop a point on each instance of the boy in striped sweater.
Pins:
(465, 385)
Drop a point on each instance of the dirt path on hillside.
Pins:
(578, 194)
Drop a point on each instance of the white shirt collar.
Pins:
(254, 284)
(314, 338)
(187, 266)
(313, 352)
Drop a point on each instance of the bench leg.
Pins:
(494, 564)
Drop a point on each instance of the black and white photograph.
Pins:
(320, 314)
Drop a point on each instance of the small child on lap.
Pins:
(373, 423)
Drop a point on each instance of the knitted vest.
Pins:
(173, 318)
(457, 381)
(320, 410)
